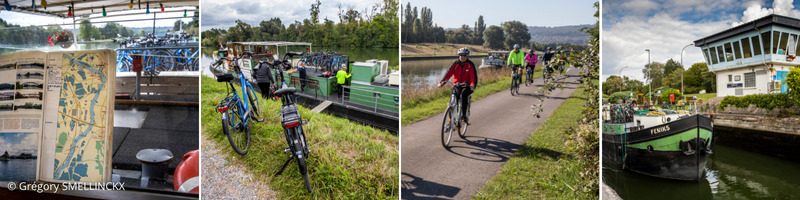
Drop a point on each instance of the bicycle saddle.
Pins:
(288, 90)
(226, 77)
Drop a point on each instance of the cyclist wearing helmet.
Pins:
(463, 70)
(531, 59)
(548, 55)
(515, 59)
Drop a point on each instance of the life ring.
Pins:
(187, 174)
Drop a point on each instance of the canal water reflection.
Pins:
(730, 174)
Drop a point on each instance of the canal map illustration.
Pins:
(82, 110)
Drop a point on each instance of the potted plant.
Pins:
(61, 38)
(789, 58)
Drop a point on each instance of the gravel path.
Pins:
(223, 179)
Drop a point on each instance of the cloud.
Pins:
(755, 10)
(16, 143)
(625, 42)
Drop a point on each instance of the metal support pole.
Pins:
(650, 75)
(154, 23)
(684, 69)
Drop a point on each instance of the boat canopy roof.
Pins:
(271, 43)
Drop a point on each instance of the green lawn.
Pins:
(347, 160)
(544, 167)
(416, 111)
(704, 97)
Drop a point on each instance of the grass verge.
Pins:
(417, 107)
(704, 97)
(347, 160)
(544, 167)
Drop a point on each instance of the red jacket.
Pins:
(462, 72)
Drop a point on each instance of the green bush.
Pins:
(665, 95)
(617, 97)
(765, 101)
(793, 82)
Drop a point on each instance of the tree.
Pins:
(88, 31)
(516, 32)
(670, 66)
(654, 72)
(633, 85)
(493, 37)
(480, 26)
(314, 12)
(672, 79)
(694, 78)
(613, 84)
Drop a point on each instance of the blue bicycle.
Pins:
(236, 112)
(515, 82)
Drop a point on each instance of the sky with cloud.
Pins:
(223, 14)
(16, 143)
(666, 26)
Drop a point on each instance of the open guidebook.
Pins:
(56, 115)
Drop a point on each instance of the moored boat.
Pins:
(662, 143)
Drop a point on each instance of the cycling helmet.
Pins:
(516, 46)
(548, 48)
(463, 51)
(531, 51)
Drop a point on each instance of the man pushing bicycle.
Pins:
(463, 70)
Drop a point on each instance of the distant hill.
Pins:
(559, 34)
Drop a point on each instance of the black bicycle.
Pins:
(293, 130)
(453, 119)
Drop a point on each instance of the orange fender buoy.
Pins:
(187, 174)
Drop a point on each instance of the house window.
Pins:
(746, 48)
(784, 40)
(720, 54)
(750, 79)
(736, 50)
(713, 55)
(765, 42)
(705, 54)
(756, 46)
(737, 78)
(776, 36)
(728, 52)
(730, 78)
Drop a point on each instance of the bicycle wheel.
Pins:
(254, 105)
(238, 134)
(513, 81)
(447, 127)
(301, 162)
(462, 128)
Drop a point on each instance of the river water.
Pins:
(427, 72)
(18, 170)
(730, 174)
(355, 54)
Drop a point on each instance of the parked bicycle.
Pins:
(237, 111)
(292, 124)
(453, 118)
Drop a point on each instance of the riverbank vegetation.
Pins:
(377, 28)
(347, 160)
(418, 27)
